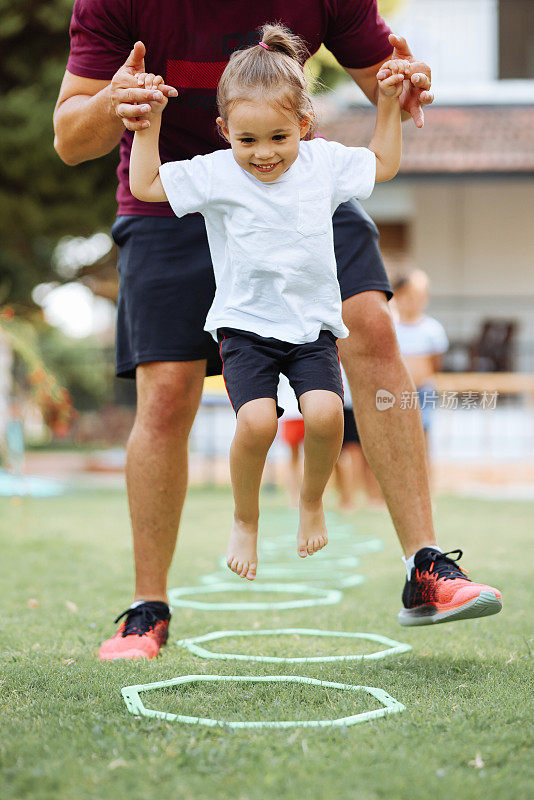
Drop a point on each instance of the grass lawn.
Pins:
(66, 733)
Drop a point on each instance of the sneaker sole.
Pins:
(486, 604)
(129, 655)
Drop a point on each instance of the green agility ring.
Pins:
(320, 597)
(135, 705)
(393, 647)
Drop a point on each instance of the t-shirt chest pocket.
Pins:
(315, 213)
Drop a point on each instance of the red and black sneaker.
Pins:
(440, 591)
(143, 632)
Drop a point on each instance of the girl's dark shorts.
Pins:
(166, 283)
(252, 365)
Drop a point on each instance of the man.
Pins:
(166, 281)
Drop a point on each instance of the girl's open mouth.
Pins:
(265, 167)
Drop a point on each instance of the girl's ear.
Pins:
(304, 127)
(224, 130)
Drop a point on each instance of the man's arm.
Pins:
(85, 123)
(416, 92)
(91, 115)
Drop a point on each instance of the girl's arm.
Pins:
(145, 182)
(386, 142)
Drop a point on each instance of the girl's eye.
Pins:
(247, 141)
(279, 136)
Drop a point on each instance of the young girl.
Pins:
(268, 204)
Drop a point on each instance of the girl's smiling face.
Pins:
(264, 138)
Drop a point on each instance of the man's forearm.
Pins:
(86, 127)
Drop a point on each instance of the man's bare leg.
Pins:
(392, 440)
(168, 396)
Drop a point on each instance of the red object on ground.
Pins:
(293, 431)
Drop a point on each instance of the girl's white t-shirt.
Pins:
(272, 243)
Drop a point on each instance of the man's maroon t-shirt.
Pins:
(189, 42)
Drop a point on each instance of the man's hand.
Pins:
(416, 88)
(131, 102)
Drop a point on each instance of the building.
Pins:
(462, 205)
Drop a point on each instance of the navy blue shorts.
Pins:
(350, 431)
(252, 365)
(166, 283)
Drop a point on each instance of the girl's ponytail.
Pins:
(272, 70)
(279, 39)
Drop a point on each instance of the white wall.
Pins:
(457, 37)
(479, 232)
(475, 238)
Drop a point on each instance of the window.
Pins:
(516, 39)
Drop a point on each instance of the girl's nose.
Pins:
(264, 154)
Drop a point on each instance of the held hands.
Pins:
(415, 91)
(397, 72)
(152, 83)
(130, 101)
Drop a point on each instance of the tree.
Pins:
(41, 199)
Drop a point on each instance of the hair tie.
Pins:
(262, 44)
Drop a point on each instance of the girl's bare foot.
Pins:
(242, 554)
(312, 535)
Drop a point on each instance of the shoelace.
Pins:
(447, 568)
(139, 620)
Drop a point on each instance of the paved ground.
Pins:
(511, 480)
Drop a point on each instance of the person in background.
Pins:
(422, 339)
(353, 475)
(292, 434)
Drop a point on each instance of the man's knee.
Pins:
(371, 326)
(168, 395)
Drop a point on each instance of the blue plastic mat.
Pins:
(29, 486)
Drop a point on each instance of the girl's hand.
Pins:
(151, 82)
(397, 71)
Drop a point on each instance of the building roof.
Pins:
(461, 140)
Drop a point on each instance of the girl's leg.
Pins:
(255, 432)
(323, 419)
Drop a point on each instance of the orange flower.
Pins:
(8, 314)
(37, 376)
